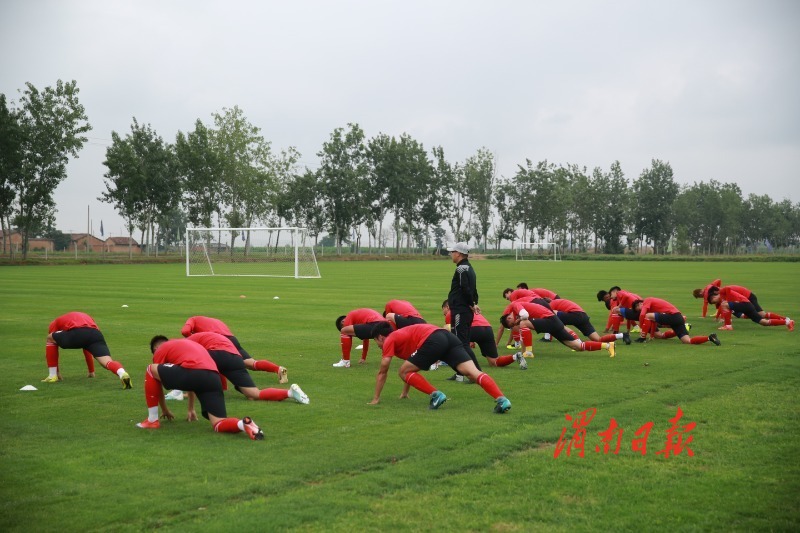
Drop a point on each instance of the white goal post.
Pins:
(273, 252)
(538, 251)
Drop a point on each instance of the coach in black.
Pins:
(463, 298)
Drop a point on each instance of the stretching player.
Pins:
(730, 300)
(231, 365)
(421, 345)
(481, 334)
(401, 313)
(571, 314)
(703, 293)
(185, 365)
(531, 316)
(655, 311)
(356, 323)
(78, 330)
(204, 324)
(616, 301)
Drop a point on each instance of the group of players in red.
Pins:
(201, 363)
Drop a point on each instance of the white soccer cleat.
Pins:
(174, 395)
(344, 363)
(298, 395)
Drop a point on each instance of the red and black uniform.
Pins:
(186, 365)
(571, 314)
(740, 302)
(522, 294)
(716, 283)
(544, 320)
(666, 314)
(363, 321)
(405, 314)
(482, 334)
(205, 324)
(229, 363)
(545, 293)
(78, 330)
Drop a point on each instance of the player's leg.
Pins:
(51, 357)
(96, 345)
(456, 356)
(154, 393)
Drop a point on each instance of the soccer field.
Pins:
(72, 458)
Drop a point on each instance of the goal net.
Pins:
(538, 251)
(275, 252)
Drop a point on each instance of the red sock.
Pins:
(227, 425)
(591, 346)
(616, 321)
(668, 334)
(224, 382)
(266, 366)
(727, 318)
(610, 320)
(420, 383)
(347, 343)
(113, 366)
(777, 321)
(488, 384)
(89, 360)
(527, 337)
(774, 315)
(152, 389)
(700, 339)
(515, 335)
(51, 354)
(365, 349)
(273, 395)
(504, 360)
(611, 337)
(630, 324)
(574, 335)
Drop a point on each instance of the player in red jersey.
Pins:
(739, 300)
(356, 323)
(617, 301)
(420, 346)
(655, 311)
(531, 316)
(481, 333)
(401, 313)
(512, 295)
(541, 293)
(78, 330)
(185, 365)
(703, 293)
(205, 324)
(231, 365)
(571, 314)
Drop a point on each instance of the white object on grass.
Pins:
(124, 305)
(360, 347)
(28, 387)
(277, 298)
(174, 395)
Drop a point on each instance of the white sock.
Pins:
(53, 370)
(618, 335)
(240, 424)
(547, 336)
(152, 414)
(120, 372)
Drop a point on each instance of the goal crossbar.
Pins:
(538, 251)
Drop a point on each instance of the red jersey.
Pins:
(184, 353)
(362, 316)
(715, 283)
(534, 310)
(525, 294)
(744, 291)
(404, 342)
(545, 293)
(656, 305)
(729, 294)
(197, 324)
(565, 306)
(72, 320)
(401, 307)
(214, 341)
(626, 298)
(478, 321)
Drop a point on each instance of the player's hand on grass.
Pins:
(375, 401)
(362, 362)
(191, 415)
(167, 415)
(90, 375)
(403, 395)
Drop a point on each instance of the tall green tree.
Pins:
(10, 165)
(654, 192)
(200, 167)
(507, 219)
(450, 176)
(53, 124)
(479, 178)
(609, 191)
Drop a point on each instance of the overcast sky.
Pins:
(712, 87)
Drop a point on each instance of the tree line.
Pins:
(368, 191)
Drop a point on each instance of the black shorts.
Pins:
(483, 336)
(204, 383)
(402, 321)
(553, 326)
(89, 339)
(673, 320)
(754, 301)
(364, 331)
(231, 366)
(745, 308)
(441, 345)
(241, 350)
(578, 319)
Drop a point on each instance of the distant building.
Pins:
(13, 243)
(85, 242)
(122, 244)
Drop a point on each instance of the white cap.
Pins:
(460, 247)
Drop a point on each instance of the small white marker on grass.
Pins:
(28, 387)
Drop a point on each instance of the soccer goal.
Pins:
(275, 252)
(538, 251)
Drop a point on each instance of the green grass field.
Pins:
(73, 460)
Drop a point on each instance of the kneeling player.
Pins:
(357, 323)
(655, 311)
(185, 365)
(401, 313)
(571, 314)
(421, 345)
(733, 301)
(481, 333)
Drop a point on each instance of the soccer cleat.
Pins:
(252, 430)
(146, 424)
(790, 324)
(641, 339)
(434, 366)
(635, 329)
(528, 354)
(688, 327)
(713, 338)
(437, 399)
(453, 377)
(344, 363)
(727, 327)
(126, 380)
(460, 378)
(544, 340)
(612, 350)
(502, 405)
(174, 394)
(626, 338)
(510, 347)
(51, 379)
(282, 375)
(523, 364)
(297, 394)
